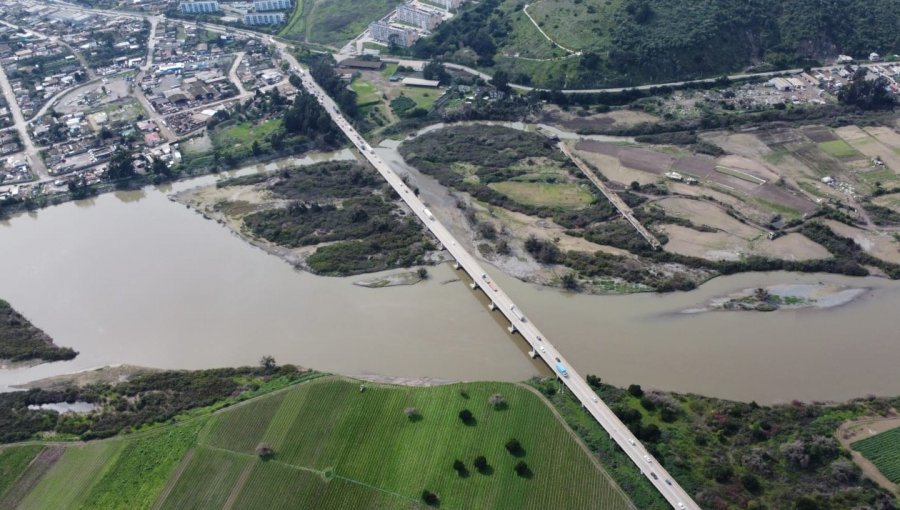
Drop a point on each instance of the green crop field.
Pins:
(838, 149)
(563, 195)
(883, 450)
(13, 462)
(335, 447)
(69, 480)
(139, 472)
(423, 97)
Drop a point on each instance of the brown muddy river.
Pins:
(136, 278)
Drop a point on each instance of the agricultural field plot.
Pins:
(331, 430)
(527, 42)
(68, 482)
(890, 201)
(564, 195)
(424, 97)
(872, 147)
(881, 245)
(13, 462)
(839, 149)
(574, 24)
(30, 476)
(207, 480)
(883, 450)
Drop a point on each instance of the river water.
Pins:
(133, 277)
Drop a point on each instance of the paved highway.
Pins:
(655, 473)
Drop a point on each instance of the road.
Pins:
(540, 346)
(615, 199)
(31, 153)
(232, 73)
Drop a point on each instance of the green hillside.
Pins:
(334, 22)
(335, 447)
(626, 42)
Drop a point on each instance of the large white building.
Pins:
(272, 5)
(389, 34)
(199, 7)
(421, 18)
(264, 18)
(447, 4)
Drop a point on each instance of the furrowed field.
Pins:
(884, 451)
(333, 447)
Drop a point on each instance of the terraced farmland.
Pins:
(335, 447)
(883, 450)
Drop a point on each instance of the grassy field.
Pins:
(335, 448)
(366, 92)
(334, 22)
(423, 97)
(245, 133)
(839, 149)
(565, 195)
(13, 462)
(884, 451)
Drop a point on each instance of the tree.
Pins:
(256, 148)
(264, 451)
(635, 390)
(481, 464)
(295, 80)
(514, 447)
(501, 81)
(467, 417)
(522, 469)
(569, 282)
(412, 413)
(435, 71)
(868, 94)
(267, 363)
(121, 165)
(422, 273)
(497, 401)
(160, 167)
(460, 467)
(593, 381)
(430, 498)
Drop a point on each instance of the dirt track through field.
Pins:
(173, 479)
(32, 475)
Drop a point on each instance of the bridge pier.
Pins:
(533, 353)
(492, 306)
(473, 285)
(511, 328)
(456, 265)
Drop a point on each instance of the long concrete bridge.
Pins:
(499, 300)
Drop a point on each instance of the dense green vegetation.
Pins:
(340, 447)
(730, 454)
(638, 41)
(22, 341)
(884, 451)
(141, 401)
(345, 205)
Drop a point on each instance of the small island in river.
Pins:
(783, 297)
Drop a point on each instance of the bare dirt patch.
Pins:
(705, 245)
(749, 166)
(646, 160)
(878, 244)
(695, 166)
(793, 246)
(104, 375)
(819, 134)
(574, 122)
(705, 213)
(613, 170)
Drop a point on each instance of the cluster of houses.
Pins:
(411, 20)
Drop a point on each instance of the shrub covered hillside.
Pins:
(21, 341)
(639, 41)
